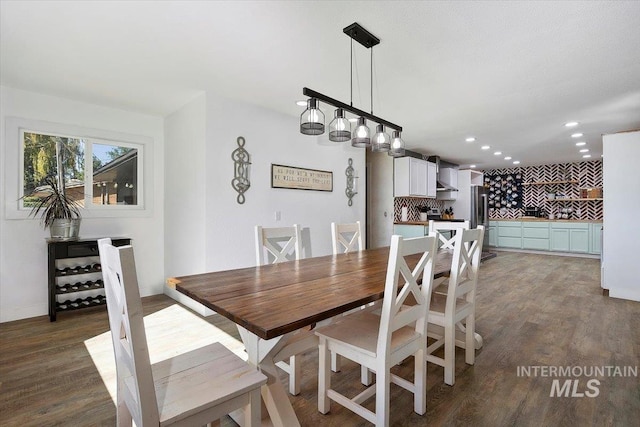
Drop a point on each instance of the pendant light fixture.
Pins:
(312, 120)
(361, 137)
(340, 127)
(397, 145)
(381, 140)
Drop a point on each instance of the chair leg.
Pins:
(449, 354)
(335, 362)
(420, 383)
(294, 375)
(252, 411)
(383, 389)
(123, 415)
(324, 376)
(470, 350)
(365, 375)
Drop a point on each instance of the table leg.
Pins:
(274, 395)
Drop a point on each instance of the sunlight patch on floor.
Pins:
(171, 331)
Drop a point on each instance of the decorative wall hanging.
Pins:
(505, 190)
(300, 178)
(240, 181)
(350, 191)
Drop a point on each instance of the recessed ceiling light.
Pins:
(472, 166)
(516, 162)
(586, 156)
(508, 158)
(485, 147)
(470, 139)
(576, 135)
(301, 103)
(497, 153)
(571, 124)
(584, 150)
(580, 144)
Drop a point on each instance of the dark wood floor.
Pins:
(532, 310)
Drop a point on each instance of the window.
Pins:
(109, 178)
(102, 170)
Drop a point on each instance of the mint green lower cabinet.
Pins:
(570, 237)
(406, 230)
(596, 239)
(579, 240)
(493, 236)
(560, 239)
(535, 235)
(510, 234)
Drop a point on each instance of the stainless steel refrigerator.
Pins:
(480, 210)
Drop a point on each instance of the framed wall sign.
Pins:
(301, 179)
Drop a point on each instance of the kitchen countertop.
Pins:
(523, 219)
(530, 219)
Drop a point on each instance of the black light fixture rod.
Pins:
(358, 112)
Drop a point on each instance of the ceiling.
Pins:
(509, 74)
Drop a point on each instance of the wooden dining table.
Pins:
(270, 304)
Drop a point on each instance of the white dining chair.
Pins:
(192, 388)
(446, 242)
(346, 238)
(275, 245)
(278, 244)
(457, 307)
(382, 341)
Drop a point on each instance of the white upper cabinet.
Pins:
(432, 180)
(414, 178)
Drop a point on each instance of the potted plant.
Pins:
(57, 211)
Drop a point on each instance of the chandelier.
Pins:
(312, 119)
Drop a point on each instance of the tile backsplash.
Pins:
(413, 204)
(587, 175)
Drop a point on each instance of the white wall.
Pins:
(621, 191)
(270, 138)
(185, 183)
(23, 259)
(380, 212)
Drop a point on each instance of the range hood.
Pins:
(443, 174)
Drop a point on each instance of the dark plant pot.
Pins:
(65, 229)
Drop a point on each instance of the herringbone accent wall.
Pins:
(538, 182)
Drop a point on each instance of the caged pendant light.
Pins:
(340, 127)
(312, 119)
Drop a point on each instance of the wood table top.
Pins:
(276, 299)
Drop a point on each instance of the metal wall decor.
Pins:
(240, 181)
(350, 191)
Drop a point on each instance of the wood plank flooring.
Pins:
(533, 310)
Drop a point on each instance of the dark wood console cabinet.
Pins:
(75, 285)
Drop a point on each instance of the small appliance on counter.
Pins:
(533, 212)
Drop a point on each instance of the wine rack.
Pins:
(75, 275)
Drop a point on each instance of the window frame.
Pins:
(14, 166)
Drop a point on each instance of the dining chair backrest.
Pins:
(278, 243)
(440, 226)
(134, 377)
(464, 266)
(346, 237)
(402, 282)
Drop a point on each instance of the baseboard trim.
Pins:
(531, 251)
